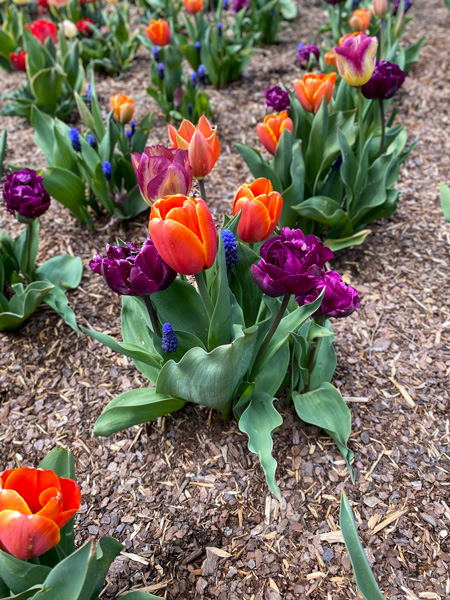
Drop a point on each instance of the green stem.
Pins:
(201, 185)
(339, 20)
(152, 314)
(360, 121)
(29, 242)
(201, 284)
(269, 335)
(312, 355)
(383, 127)
(382, 33)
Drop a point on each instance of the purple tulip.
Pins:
(288, 261)
(339, 300)
(162, 171)
(396, 5)
(334, 1)
(129, 271)
(304, 53)
(387, 78)
(276, 98)
(238, 5)
(25, 194)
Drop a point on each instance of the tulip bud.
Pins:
(158, 32)
(261, 210)
(360, 19)
(269, 132)
(380, 8)
(123, 108)
(69, 28)
(313, 88)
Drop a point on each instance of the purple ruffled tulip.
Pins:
(133, 272)
(387, 78)
(288, 261)
(304, 53)
(162, 171)
(396, 5)
(339, 300)
(276, 98)
(25, 194)
(238, 5)
(334, 1)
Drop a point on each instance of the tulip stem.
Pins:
(339, 20)
(201, 284)
(383, 127)
(152, 314)
(28, 250)
(312, 355)
(201, 185)
(269, 336)
(360, 120)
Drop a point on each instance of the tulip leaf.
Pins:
(325, 408)
(28, 594)
(270, 378)
(209, 378)
(364, 576)
(23, 304)
(295, 192)
(352, 240)
(243, 286)
(219, 332)
(135, 407)
(2, 150)
(316, 143)
(141, 596)
(85, 113)
(27, 259)
(258, 421)
(63, 271)
(283, 158)
(323, 210)
(444, 192)
(20, 575)
(258, 165)
(59, 460)
(69, 189)
(107, 550)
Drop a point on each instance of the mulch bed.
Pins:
(183, 493)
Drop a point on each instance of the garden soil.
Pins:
(183, 493)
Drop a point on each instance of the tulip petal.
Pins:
(208, 232)
(254, 222)
(178, 246)
(201, 155)
(27, 536)
(266, 137)
(11, 500)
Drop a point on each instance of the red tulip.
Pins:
(34, 505)
(18, 60)
(270, 131)
(184, 234)
(42, 29)
(261, 210)
(202, 143)
(158, 32)
(193, 6)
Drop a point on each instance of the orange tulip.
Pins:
(158, 32)
(312, 88)
(184, 234)
(261, 210)
(193, 6)
(34, 505)
(269, 132)
(360, 19)
(200, 141)
(123, 108)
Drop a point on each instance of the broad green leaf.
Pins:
(294, 194)
(85, 113)
(243, 285)
(43, 133)
(26, 251)
(46, 86)
(325, 408)
(19, 575)
(70, 190)
(107, 550)
(365, 579)
(352, 240)
(323, 210)
(270, 378)
(444, 192)
(258, 165)
(63, 271)
(220, 326)
(140, 596)
(57, 300)
(23, 303)
(209, 378)
(282, 159)
(2, 150)
(133, 408)
(316, 146)
(258, 421)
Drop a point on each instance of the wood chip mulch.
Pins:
(183, 494)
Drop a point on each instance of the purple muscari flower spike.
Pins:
(91, 140)
(201, 72)
(197, 46)
(75, 139)
(339, 300)
(161, 70)
(133, 127)
(386, 79)
(169, 342)
(155, 51)
(89, 97)
(107, 170)
(193, 79)
(226, 4)
(337, 165)
(25, 194)
(276, 98)
(355, 4)
(305, 52)
(230, 245)
(189, 108)
(219, 29)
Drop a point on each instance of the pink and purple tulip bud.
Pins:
(305, 54)
(25, 194)
(162, 171)
(289, 263)
(386, 79)
(129, 271)
(356, 58)
(339, 300)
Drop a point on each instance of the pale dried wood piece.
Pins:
(390, 519)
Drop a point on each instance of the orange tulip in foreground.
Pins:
(34, 505)
(201, 142)
(193, 6)
(123, 108)
(158, 32)
(313, 88)
(184, 234)
(261, 210)
(360, 19)
(269, 132)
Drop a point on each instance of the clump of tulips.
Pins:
(37, 549)
(253, 327)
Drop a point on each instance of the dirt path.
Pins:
(187, 482)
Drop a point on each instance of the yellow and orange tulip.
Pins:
(193, 6)
(35, 504)
(184, 234)
(123, 108)
(269, 132)
(158, 32)
(313, 88)
(261, 210)
(201, 142)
